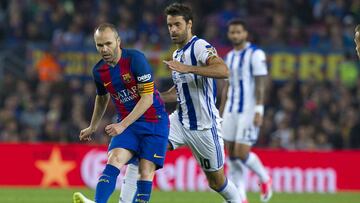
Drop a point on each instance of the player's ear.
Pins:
(118, 40)
(189, 24)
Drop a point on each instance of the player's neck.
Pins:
(117, 58)
(189, 37)
(241, 46)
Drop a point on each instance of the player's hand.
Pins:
(86, 133)
(258, 120)
(177, 66)
(114, 129)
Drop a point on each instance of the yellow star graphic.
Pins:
(55, 169)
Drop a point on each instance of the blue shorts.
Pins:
(148, 140)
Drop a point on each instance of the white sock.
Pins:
(236, 175)
(229, 192)
(129, 184)
(254, 164)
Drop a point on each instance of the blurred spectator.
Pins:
(309, 114)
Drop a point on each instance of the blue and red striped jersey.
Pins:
(131, 77)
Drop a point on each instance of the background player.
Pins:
(195, 123)
(142, 131)
(243, 112)
(357, 39)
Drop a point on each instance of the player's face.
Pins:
(178, 28)
(107, 44)
(237, 34)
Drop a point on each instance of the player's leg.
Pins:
(235, 174)
(128, 186)
(121, 150)
(118, 157)
(144, 184)
(152, 156)
(236, 170)
(242, 150)
(175, 140)
(208, 149)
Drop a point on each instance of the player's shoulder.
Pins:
(133, 53)
(99, 64)
(255, 48)
(202, 43)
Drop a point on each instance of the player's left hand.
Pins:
(114, 129)
(177, 66)
(258, 120)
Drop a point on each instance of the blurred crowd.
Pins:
(314, 23)
(45, 106)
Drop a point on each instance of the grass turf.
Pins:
(38, 195)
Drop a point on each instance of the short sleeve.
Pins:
(204, 51)
(143, 74)
(100, 89)
(258, 62)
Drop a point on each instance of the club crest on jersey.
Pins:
(127, 77)
(182, 57)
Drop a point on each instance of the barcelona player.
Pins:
(142, 130)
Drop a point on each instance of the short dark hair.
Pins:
(103, 27)
(237, 21)
(357, 28)
(178, 9)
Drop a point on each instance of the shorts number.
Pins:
(205, 163)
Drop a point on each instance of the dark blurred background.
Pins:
(47, 53)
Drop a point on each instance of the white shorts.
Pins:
(206, 145)
(239, 128)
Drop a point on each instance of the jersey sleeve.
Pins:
(100, 88)
(143, 74)
(204, 51)
(258, 62)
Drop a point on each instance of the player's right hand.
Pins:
(86, 133)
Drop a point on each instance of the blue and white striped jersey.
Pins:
(243, 66)
(196, 95)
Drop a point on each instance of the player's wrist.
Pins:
(259, 108)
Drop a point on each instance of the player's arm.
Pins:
(258, 61)
(215, 68)
(223, 97)
(169, 95)
(146, 100)
(101, 103)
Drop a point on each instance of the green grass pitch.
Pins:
(38, 195)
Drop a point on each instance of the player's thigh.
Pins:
(229, 126)
(208, 148)
(176, 133)
(153, 145)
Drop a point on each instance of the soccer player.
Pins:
(244, 109)
(195, 123)
(357, 39)
(142, 130)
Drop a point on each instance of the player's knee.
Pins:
(146, 173)
(243, 156)
(215, 183)
(216, 180)
(116, 160)
(147, 170)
